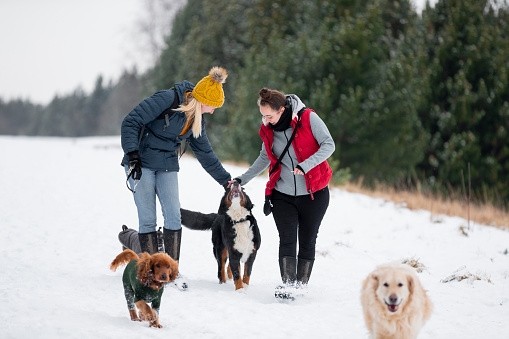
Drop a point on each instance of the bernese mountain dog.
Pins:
(235, 234)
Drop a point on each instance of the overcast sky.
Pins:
(51, 47)
(54, 46)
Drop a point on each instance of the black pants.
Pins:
(299, 218)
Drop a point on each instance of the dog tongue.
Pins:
(393, 308)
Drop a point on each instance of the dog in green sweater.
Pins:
(144, 279)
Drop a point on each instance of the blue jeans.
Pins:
(164, 185)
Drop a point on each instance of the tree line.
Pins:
(77, 114)
(409, 99)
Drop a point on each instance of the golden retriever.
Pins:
(394, 303)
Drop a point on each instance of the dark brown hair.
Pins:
(271, 97)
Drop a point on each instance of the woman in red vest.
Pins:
(297, 192)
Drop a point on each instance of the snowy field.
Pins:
(62, 204)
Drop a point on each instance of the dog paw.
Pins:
(155, 324)
(180, 283)
(134, 316)
(149, 316)
(241, 290)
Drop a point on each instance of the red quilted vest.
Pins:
(305, 146)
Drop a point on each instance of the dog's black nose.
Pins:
(164, 277)
(393, 298)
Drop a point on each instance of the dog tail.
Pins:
(123, 258)
(196, 220)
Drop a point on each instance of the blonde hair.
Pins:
(192, 108)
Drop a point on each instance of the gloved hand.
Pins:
(267, 207)
(134, 165)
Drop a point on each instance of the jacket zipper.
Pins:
(291, 160)
(299, 157)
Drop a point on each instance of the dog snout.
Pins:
(234, 191)
(235, 188)
(164, 277)
(393, 298)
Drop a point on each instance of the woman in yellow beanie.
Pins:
(151, 136)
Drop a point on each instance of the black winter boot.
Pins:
(148, 242)
(304, 268)
(172, 243)
(287, 267)
(172, 248)
(129, 239)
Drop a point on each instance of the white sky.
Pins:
(50, 47)
(54, 46)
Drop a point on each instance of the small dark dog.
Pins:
(235, 234)
(144, 278)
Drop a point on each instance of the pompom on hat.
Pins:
(209, 90)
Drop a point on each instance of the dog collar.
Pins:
(243, 219)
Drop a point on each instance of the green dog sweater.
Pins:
(134, 291)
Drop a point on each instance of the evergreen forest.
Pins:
(411, 99)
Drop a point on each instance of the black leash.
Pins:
(289, 142)
(130, 175)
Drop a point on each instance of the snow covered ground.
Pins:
(62, 204)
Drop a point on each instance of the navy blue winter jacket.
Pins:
(160, 143)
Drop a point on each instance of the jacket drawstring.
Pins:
(167, 122)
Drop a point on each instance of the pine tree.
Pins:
(468, 48)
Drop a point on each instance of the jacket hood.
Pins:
(296, 103)
(181, 88)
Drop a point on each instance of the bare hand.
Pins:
(297, 171)
(232, 181)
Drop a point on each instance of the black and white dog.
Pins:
(235, 234)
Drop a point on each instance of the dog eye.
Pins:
(168, 266)
(386, 284)
(400, 285)
(157, 265)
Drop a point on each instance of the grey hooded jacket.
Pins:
(289, 183)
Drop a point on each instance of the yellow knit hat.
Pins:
(209, 90)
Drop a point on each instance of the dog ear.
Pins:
(224, 202)
(374, 281)
(249, 205)
(370, 285)
(174, 270)
(411, 283)
(145, 274)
